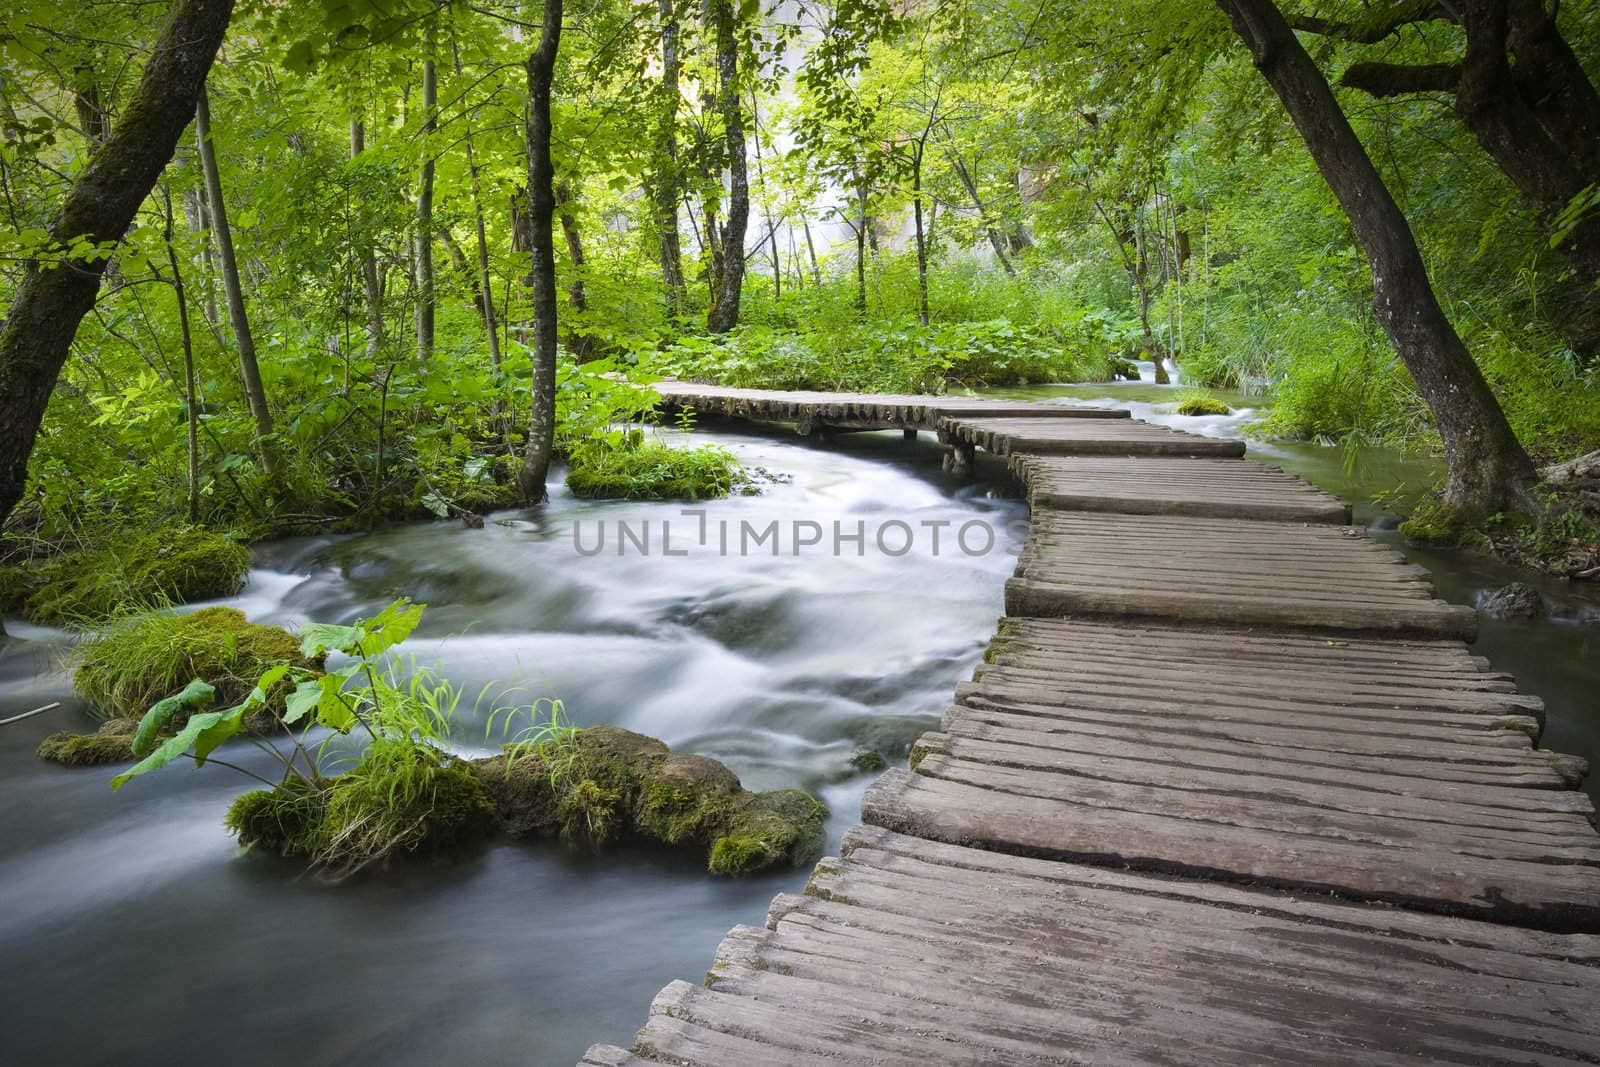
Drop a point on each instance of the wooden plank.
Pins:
(911, 951)
(1005, 436)
(1407, 870)
(1220, 488)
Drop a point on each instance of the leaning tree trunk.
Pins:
(971, 186)
(424, 239)
(37, 333)
(1486, 465)
(667, 183)
(922, 239)
(724, 314)
(540, 230)
(371, 288)
(249, 369)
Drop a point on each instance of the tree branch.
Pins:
(1397, 79)
(1374, 29)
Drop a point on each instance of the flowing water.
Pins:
(132, 931)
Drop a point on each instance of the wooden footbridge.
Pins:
(1228, 788)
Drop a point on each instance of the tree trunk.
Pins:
(811, 249)
(668, 186)
(198, 214)
(540, 231)
(190, 400)
(372, 290)
(424, 238)
(485, 279)
(1487, 467)
(37, 332)
(580, 344)
(249, 370)
(922, 243)
(724, 314)
(1538, 119)
(977, 201)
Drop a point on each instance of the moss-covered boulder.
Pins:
(112, 743)
(650, 470)
(1202, 404)
(606, 784)
(403, 797)
(134, 662)
(174, 566)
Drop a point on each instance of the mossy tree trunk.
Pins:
(36, 335)
(724, 314)
(668, 184)
(1487, 467)
(540, 232)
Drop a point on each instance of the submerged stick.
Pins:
(29, 714)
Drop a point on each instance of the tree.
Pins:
(729, 281)
(540, 231)
(53, 297)
(249, 369)
(668, 186)
(1521, 90)
(1487, 467)
(424, 236)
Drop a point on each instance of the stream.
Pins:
(134, 932)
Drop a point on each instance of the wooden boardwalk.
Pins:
(1228, 787)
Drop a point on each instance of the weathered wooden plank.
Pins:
(1409, 871)
(1221, 488)
(1378, 776)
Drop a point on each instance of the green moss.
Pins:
(112, 743)
(174, 566)
(134, 662)
(286, 820)
(780, 827)
(1434, 523)
(1202, 403)
(868, 760)
(402, 797)
(602, 785)
(1125, 369)
(654, 471)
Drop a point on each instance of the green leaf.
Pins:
(302, 701)
(319, 637)
(197, 694)
(391, 626)
(333, 711)
(229, 723)
(176, 745)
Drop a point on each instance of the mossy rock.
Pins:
(129, 665)
(112, 743)
(869, 761)
(1125, 369)
(604, 784)
(1203, 405)
(402, 797)
(784, 827)
(654, 471)
(175, 566)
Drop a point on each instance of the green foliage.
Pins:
(163, 566)
(131, 663)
